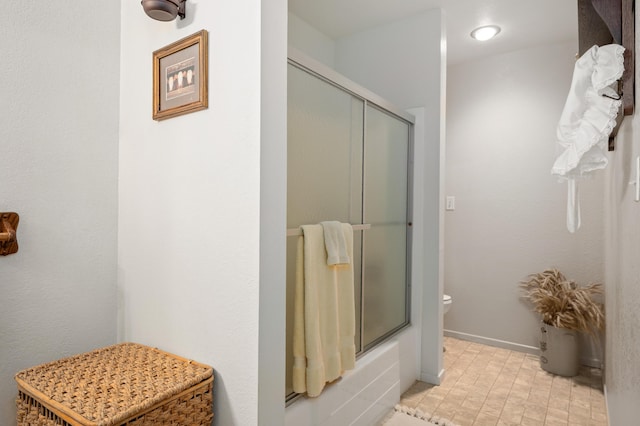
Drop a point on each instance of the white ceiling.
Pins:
(524, 23)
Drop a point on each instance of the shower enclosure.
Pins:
(349, 157)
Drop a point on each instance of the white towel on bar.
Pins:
(324, 314)
(335, 243)
(588, 117)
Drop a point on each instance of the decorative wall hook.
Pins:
(8, 238)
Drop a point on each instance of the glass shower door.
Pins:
(348, 160)
(324, 172)
(385, 289)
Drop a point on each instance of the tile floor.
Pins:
(484, 386)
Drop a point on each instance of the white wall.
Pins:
(404, 62)
(59, 144)
(307, 39)
(190, 202)
(622, 273)
(273, 212)
(509, 217)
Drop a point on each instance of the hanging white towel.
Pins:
(335, 243)
(587, 120)
(324, 314)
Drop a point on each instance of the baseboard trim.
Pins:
(431, 379)
(493, 342)
(589, 362)
(592, 362)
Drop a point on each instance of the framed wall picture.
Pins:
(180, 77)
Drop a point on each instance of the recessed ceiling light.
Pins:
(485, 33)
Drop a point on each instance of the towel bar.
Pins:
(292, 232)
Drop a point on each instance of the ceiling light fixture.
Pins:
(485, 33)
(164, 10)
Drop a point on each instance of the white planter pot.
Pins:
(559, 350)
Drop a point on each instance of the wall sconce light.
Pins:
(164, 10)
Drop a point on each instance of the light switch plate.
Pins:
(451, 203)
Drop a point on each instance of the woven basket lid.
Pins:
(109, 385)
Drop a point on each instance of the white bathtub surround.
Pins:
(362, 397)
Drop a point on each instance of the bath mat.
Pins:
(405, 416)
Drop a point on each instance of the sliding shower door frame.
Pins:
(330, 76)
(336, 79)
(409, 234)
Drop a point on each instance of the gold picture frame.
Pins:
(180, 77)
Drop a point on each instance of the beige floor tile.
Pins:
(521, 388)
(535, 413)
(557, 414)
(579, 406)
(560, 393)
(562, 381)
(444, 414)
(527, 421)
(465, 417)
(499, 392)
(579, 420)
(581, 392)
(476, 397)
(505, 381)
(552, 421)
(469, 379)
(525, 377)
(438, 392)
(511, 418)
(487, 386)
(447, 409)
(491, 411)
(479, 391)
(539, 397)
(494, 364)
(413, 401)
(513, 407)
(600, 416)
(429, 404)
(485, 420)
(559, 403)
(456, 396)
(419, 387)
(512, 414)
(472, 405)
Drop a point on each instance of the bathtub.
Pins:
(365, 395)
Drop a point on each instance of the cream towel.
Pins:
(335, 243)
(324, 314)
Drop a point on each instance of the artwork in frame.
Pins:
(180, 77)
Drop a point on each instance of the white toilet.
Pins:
(446, 303)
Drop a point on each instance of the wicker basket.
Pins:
(124, 384)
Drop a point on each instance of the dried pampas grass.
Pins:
(563, 304)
